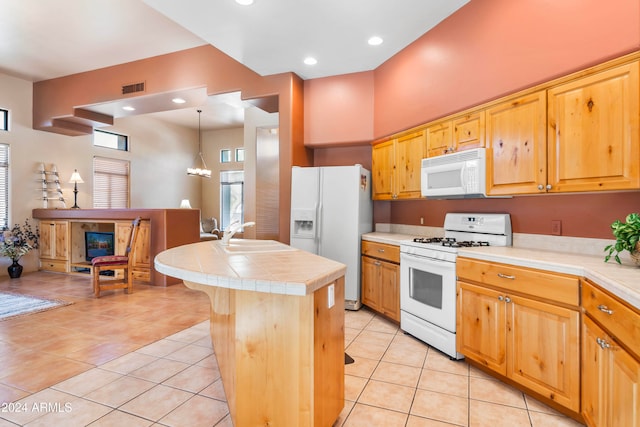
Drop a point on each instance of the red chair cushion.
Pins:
(109, 260)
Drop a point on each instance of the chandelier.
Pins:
(199, 167)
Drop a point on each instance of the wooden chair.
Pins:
(117, 262)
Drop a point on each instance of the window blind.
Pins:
(4, 185)
(110, 183)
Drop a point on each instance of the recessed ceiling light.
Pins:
(178, 100)
(375, 41)
(128, 108)
(309, 60)
(244, 2)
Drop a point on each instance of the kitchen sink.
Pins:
(245, 246)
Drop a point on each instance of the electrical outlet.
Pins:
(421, 220)
(331, 295)
(556, 227)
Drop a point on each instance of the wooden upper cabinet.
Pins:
(439, 139)
(578, 133)
(468, 131)
(409, 154)
(461, 133)
(516, 139)
(396, 167)
(383, 170)
(593, 132)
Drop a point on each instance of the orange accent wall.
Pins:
(339, 110)
(490, 48)
(487, 49)
(341, 156)
(582, 215)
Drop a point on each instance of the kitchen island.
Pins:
(277, 327)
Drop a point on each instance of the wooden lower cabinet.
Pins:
(62, 245)
(610, 372)
(54, 246)
(481, 330)
(521, 334)
(381, 279)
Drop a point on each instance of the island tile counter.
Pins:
(277, 327)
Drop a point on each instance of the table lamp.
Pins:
(75, 179)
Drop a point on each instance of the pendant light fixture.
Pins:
(199, 167)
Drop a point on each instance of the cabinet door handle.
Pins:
(603, 343)
(506, 276)
(377, 263)
(381, 250)
(549, 187)
(540, 187)
(603, 308)
(507, 299)
(500, 298)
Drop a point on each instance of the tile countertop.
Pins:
(388, 238)
(621, 280)
(286, 270)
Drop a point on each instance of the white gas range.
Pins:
(428, 275)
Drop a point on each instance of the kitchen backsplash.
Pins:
(577, 245)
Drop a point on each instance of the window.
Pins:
(4, 185)
(239, 154)
(110, 183)
(4, 119)
(231, 198)
(225, 156)
(110, 140)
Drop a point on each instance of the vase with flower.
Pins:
(15, 242)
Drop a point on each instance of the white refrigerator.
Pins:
(330, 210)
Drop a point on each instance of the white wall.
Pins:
(212, 142)
(160, 154)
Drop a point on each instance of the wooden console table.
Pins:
(165, 228)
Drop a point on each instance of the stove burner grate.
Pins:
(451, 242)
(464, 243)
(431, 239)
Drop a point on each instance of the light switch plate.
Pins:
(331, 295)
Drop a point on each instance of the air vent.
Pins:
(132, 88)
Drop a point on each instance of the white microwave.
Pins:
(455, 175)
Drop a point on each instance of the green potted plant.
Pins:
(627, 236)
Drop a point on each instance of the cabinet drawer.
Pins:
(556, 287)
(53, 265)
(381, 251)
(620, 320)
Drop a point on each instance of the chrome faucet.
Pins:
(232, 229)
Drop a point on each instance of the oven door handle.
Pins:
(425, 261)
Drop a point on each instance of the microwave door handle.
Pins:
(463, 171)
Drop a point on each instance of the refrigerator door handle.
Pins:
(319, 227)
